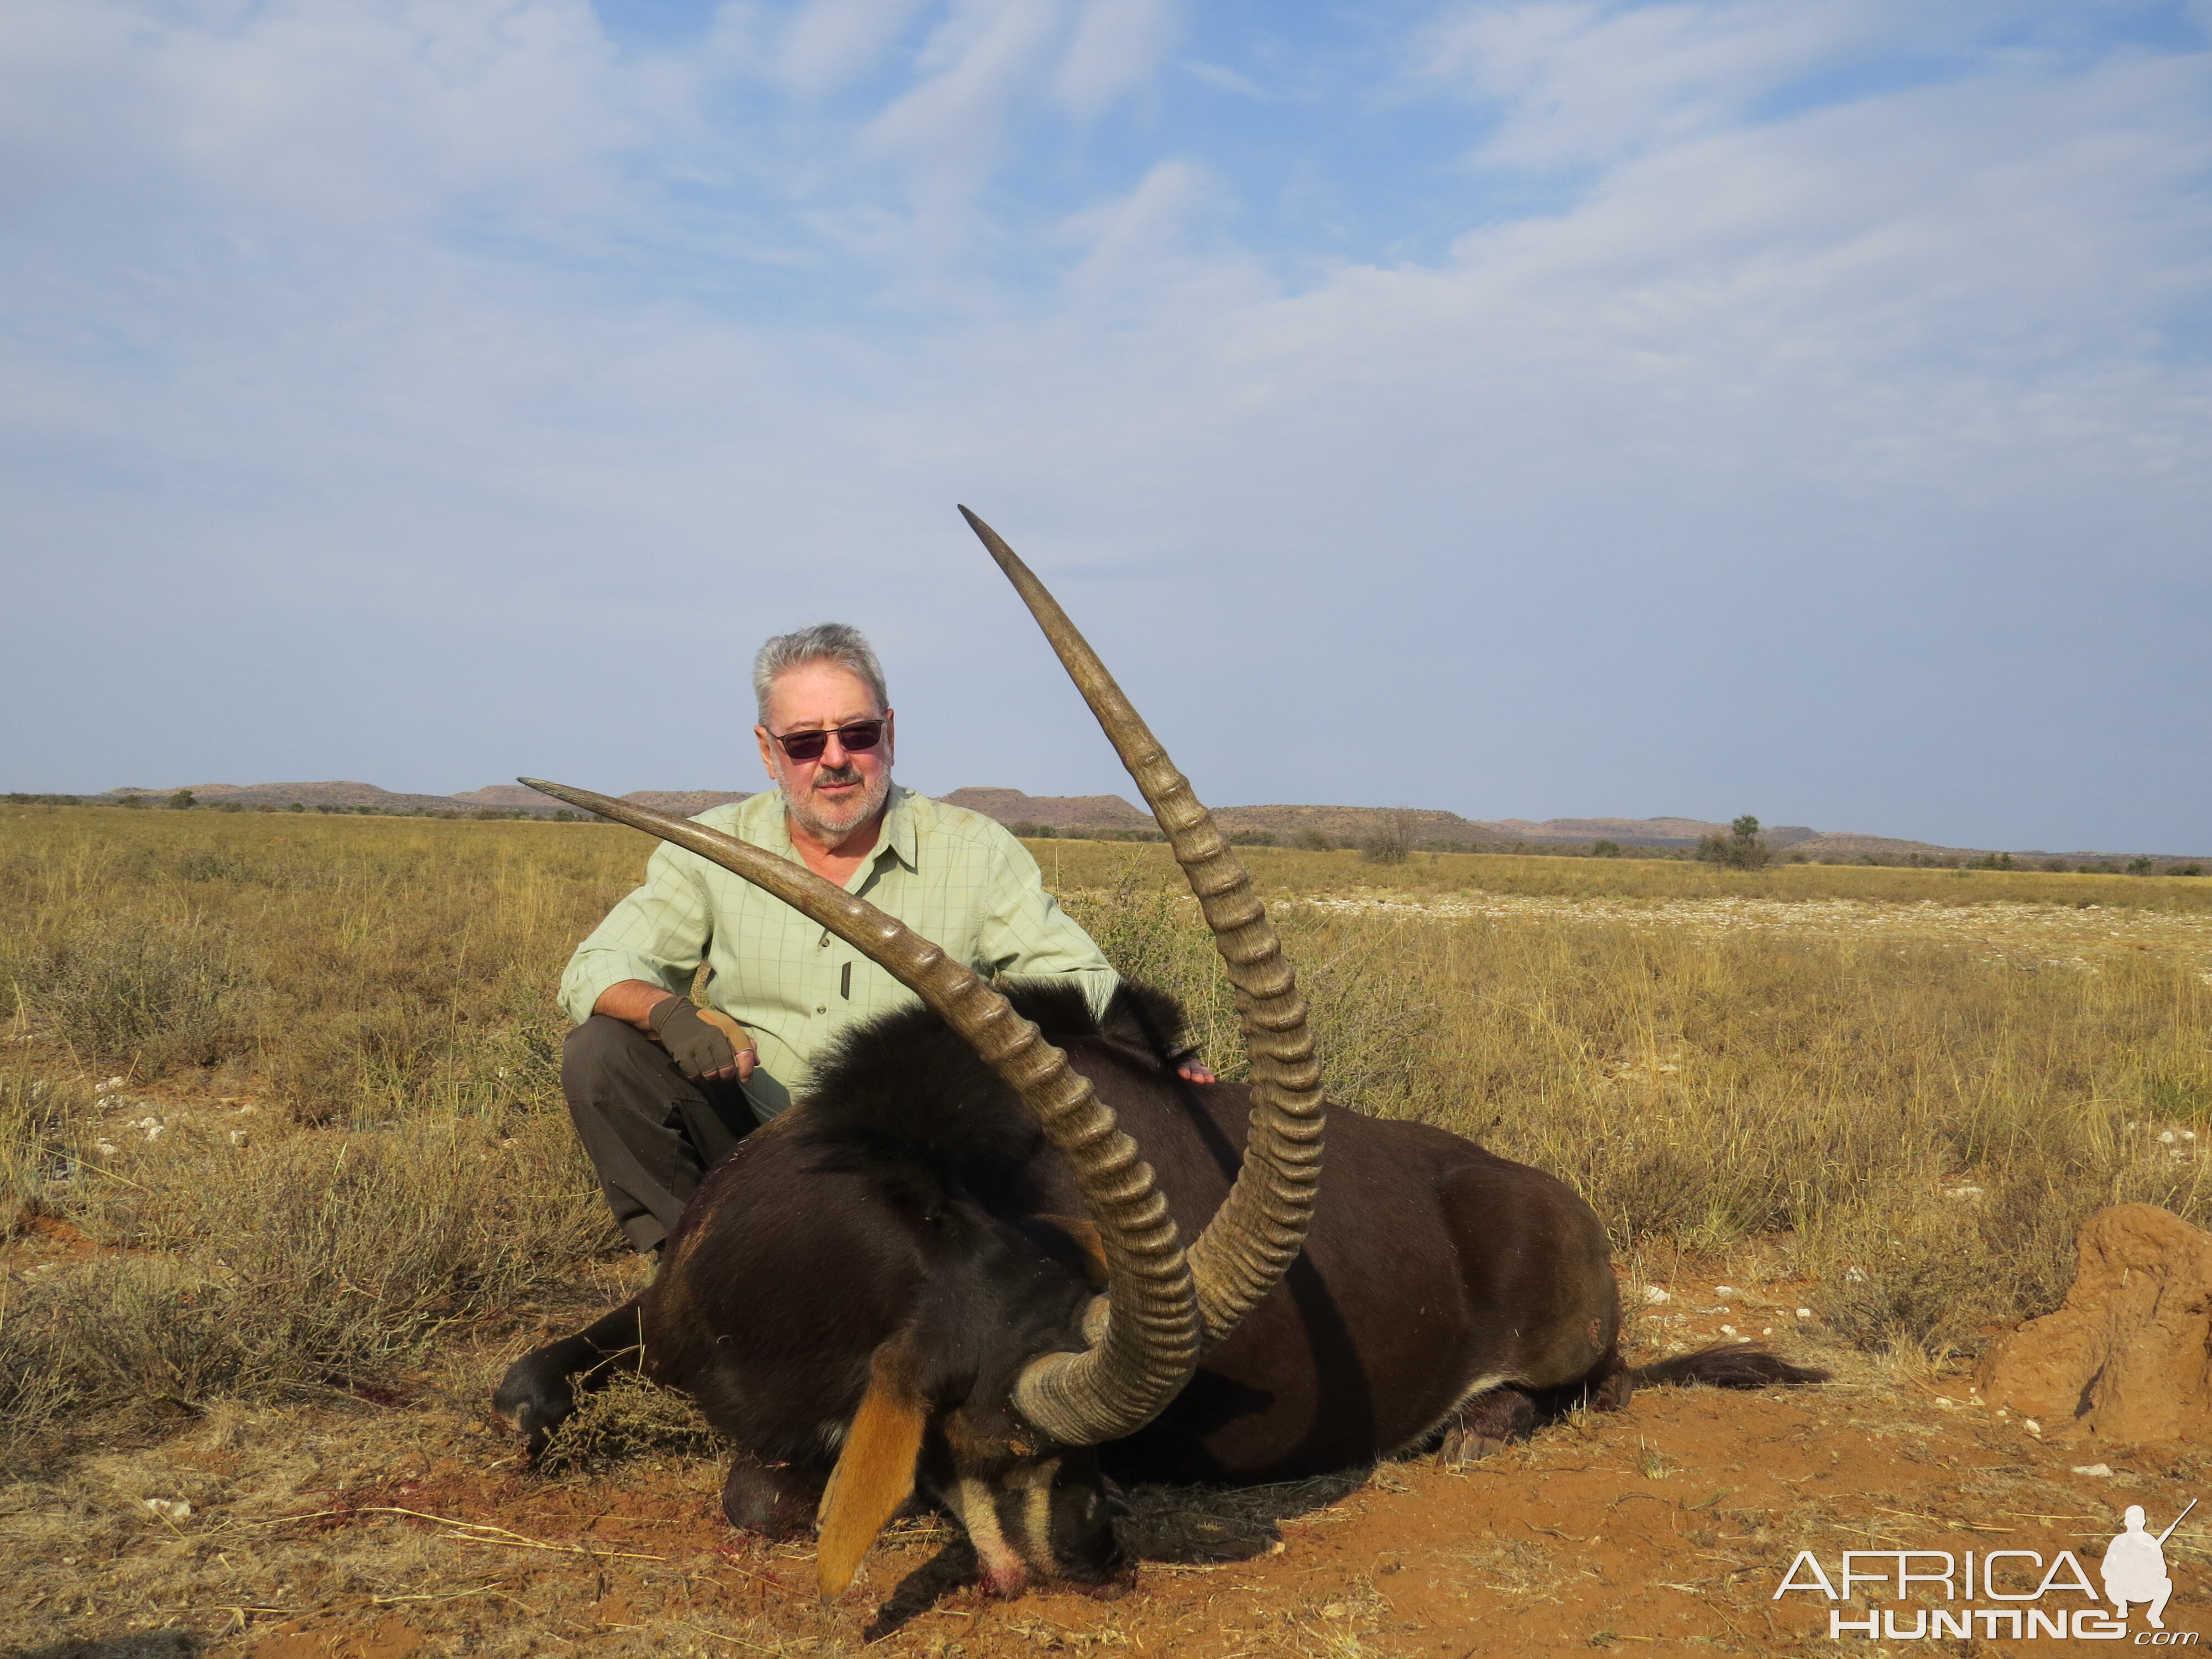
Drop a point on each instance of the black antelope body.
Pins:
(959, 1264)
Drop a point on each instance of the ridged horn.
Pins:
(1261, 1228)
(1149, 1345)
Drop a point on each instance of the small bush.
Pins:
(1922, 1270)
(1391, 840)
(39, 1120)
(1743, 848)
(142, 994)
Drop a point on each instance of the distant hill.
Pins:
(684, 803)
(1344, 826)
(1112, 815)
(341, 792)
(1352, 823)
(1054, 813)
(352, 797)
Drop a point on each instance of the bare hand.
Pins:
(1192, 1071)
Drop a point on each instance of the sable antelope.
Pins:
(959, 1263)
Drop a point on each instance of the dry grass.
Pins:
(1900, 1089)
(358, 970)
(1916, 1121)
(1291, 872)
(319, 1262)
(1924, 1117)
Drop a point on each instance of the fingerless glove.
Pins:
(696, 1046)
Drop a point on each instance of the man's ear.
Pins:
(767, 754)
(875, 1471)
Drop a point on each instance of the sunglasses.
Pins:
(857, 738)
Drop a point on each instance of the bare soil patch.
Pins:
(355, 1530)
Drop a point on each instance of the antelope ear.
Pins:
(875, 1472)
(1083, 1232)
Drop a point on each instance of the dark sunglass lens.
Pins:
(857, 738)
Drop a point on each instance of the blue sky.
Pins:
(1552, 409)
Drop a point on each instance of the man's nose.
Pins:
(834, 755)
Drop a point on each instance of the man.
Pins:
(660, 1088)
(2135, 1567)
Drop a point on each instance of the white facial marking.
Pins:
(1002, 1568)
(1035, 1481)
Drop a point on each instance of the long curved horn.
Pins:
(1261, 1226)
(1149, 1346)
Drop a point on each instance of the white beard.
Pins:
(849, 816)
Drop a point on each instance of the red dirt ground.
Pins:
(1665, 1528)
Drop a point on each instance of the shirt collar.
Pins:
(899, 836)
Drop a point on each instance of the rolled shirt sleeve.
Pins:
(659, 934)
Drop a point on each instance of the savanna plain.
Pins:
(286, 1180)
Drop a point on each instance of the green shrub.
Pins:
(1743, 848)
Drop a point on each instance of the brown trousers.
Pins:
(650, 1131)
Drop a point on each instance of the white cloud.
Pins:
(945, 131)
(1116, 50)
(831, 43)
(351, 336)
(1580, 83)
(1138, 241)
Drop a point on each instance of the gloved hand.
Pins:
(699, 1043)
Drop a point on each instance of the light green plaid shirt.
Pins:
(955, 877)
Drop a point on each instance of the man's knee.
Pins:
(603, 1049)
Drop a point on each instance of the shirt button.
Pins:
(822, 1008)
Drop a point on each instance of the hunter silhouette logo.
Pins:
(2135, 1566)
(2030, 1595)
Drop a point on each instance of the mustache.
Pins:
(846, 773)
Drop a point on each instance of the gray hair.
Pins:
(839, 644)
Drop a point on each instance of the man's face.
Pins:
(834, 795)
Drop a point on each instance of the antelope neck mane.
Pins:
(905, 1102)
